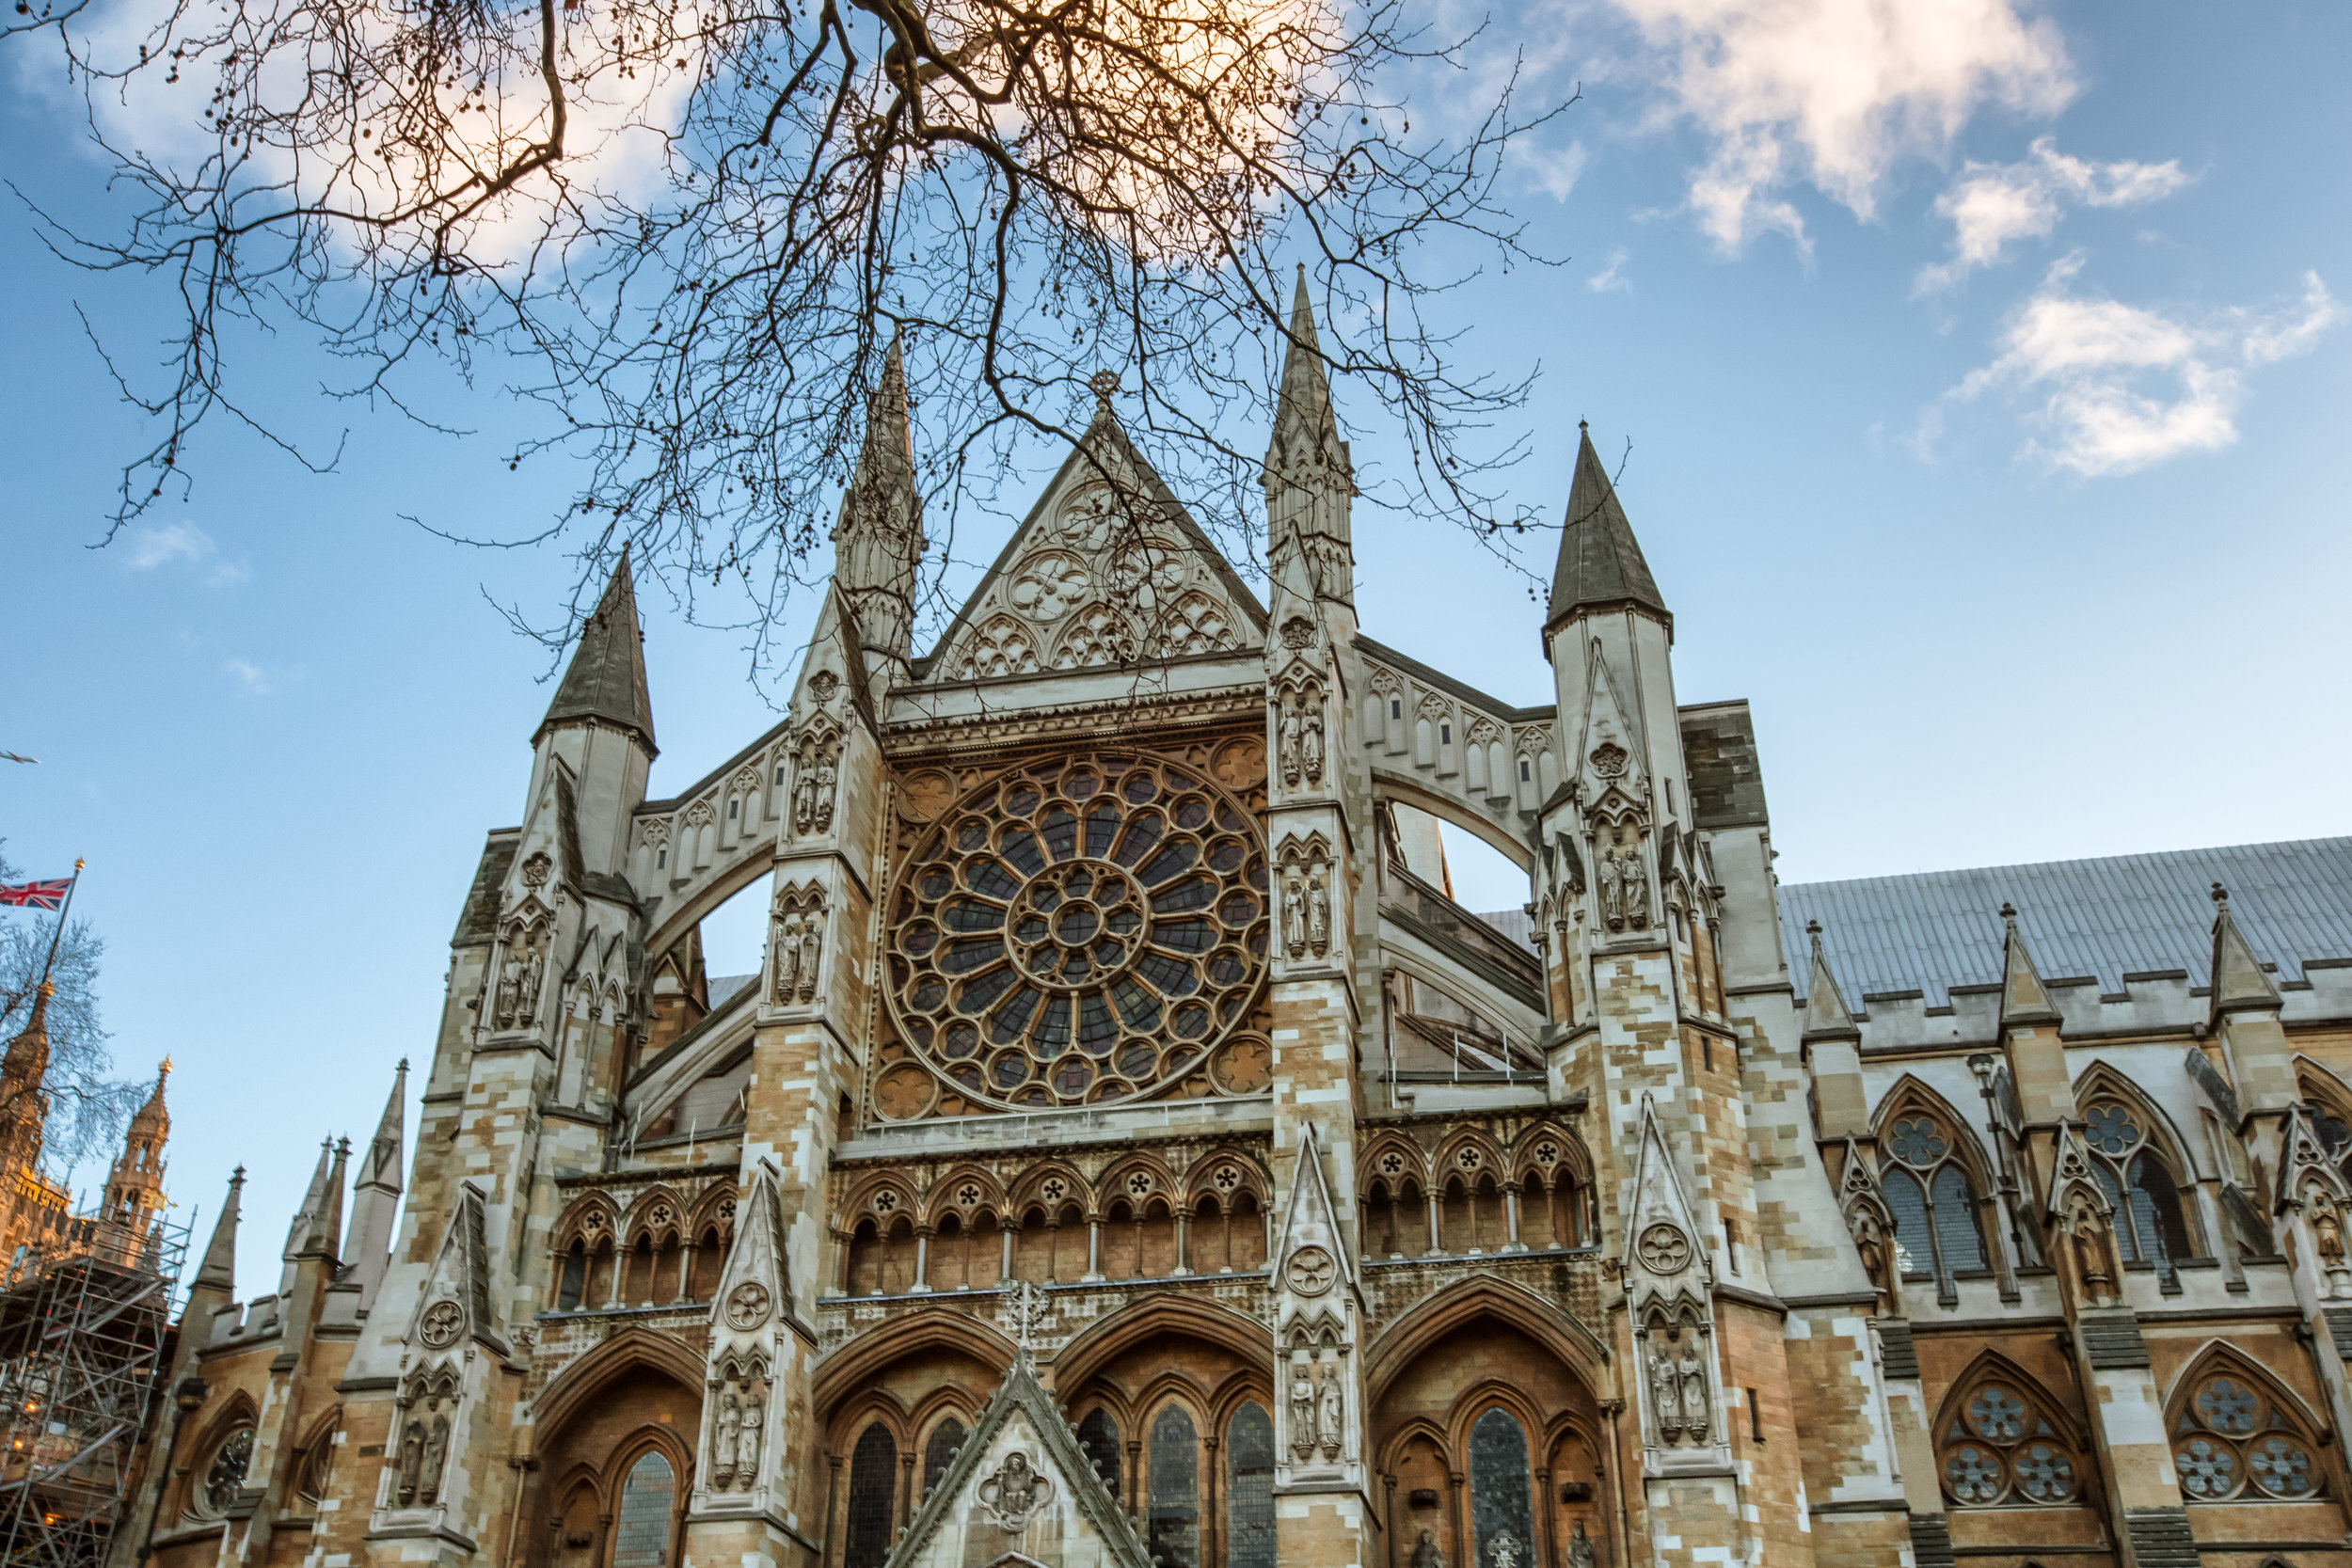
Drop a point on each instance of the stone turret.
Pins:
(134, 1188)
(1309, 476)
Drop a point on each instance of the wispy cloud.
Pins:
(2111, 388)
(167, 542)
(1555, 171)
(1992, 205)
(1833, 93)
(1612, 278)
(256, 680)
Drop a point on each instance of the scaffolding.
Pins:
(84, 1343)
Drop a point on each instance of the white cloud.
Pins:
(2113, 387)
(1992, 204)
(254, 678)
(1556, 172)
(1834, 92)
(165, 542)
(1612, 278)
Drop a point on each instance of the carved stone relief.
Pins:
(1300, 732)
(816, 778)
(796, 943)
(1306, 898)
(1014, 1493)
(423, 1453)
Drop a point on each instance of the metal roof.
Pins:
(2118, 915)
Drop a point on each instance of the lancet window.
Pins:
(642, 1534)
(1080, 931)
(873, 1490)
(1933, 1195)
(940, 1452)
(1172, 1508)
(1997, 1447)
(1098, 1434)
(1502, 1520)
(2233, 1441)
(1249, 1488)
(2138, 1181)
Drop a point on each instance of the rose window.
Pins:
(1998, 1451)
(1081, 931)
(2230, 1441)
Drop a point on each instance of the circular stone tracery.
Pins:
(1080, 930)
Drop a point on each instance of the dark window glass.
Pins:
(1098, 1434)
(1956, 1221)
(1173, 1533)
(1250, 1489)
(2157, 1211)
(2127, 1236)
(642, 1539)
(568, 1288)
(873, 1479)
(947, 1437)
(1909, 1207)
(1499, 1501)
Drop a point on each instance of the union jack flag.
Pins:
(35, 895)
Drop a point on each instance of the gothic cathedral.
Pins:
(1130, 1154)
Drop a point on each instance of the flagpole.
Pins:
(67, 908)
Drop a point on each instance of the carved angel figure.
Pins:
(1014, 1492)
(411, 1462)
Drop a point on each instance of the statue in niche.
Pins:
(1331, 1416)
(1870, 1242)
(812, 947)
(1295, 912)
(1665, 1388)
(1318, 911)
(510, 983)
(747, 1453)
(1302, 1412)
(1695, 1401)
(2327, 1232)
(1610, 872)
(1636, 890)
(435, 1456)
(812, 783)
(1286, 733)
(1581, 1548)
(411, 1462)
(2087, 1234)
(1425, 1553)
(787, 945)
(730, 1417)
(1311, 736)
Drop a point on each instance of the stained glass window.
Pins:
(1098, 1434)
(1933, 1200)
(1173, 1520)
(2150, 1224)
(873, 1487)
(940, 1452)
(1501, 1515)
(1913, 1247)
(641, 1539)
(568, 1288)
(1956, 1221)
(1250, 1489)
(2230, 1442)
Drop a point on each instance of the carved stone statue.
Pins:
(1636, 891)
(1610, 872)
(729, 1418)
(2088, 1236)
(435, 1456)
(1694, 1399)
(820, 811)
(1425, 1553)
(1302, 1412)
(788, 941)
(1318, 911)
(1581, 1549)
(747, 1452)
(1504, 1551)
(813, 782)
(411, 1462)
(1310, 736)
(2328, 1234)
(1295, 912)
(510, 985)
(1665, 1389)
(1331, 1416)
(1871, 1243)
(812, 947)
(1014, 1493)
(1288, 742)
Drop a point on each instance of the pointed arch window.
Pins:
(940, 1452)
(1249, 1488)
(873, 1487)
(1998, 1448)
(1502, 1514)
(1098, 1434)
(1934, 1197)
(2232, 1442)
(2138, 1182)
(1172, 1518)
(641, 1537)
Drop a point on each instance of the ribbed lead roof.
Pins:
(2117, 915)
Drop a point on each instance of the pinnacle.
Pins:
(606, 679)
(1600, 561)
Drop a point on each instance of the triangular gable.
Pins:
(974, 1515)
(1664, 1254)
(1312, 1221)
(1051, 599)
(1610, 755)
(461, 1278)
(752, 1287)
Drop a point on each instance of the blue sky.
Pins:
(1985, 369)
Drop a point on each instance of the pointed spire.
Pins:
(151, 1122)
(877, 543)
(2240, 984)
(1310, 476)
(380, 1166)
(1600, 562)
(326, 1220)
(606, 679)
(219, 1271)
(1826, 1015)
(2024, 998)
(313, 1199)
(27, 1058)
(375, 1197)
(1305, 407)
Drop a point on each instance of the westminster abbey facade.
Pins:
(1130, 1152)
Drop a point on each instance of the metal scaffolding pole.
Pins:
(84, 1325)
